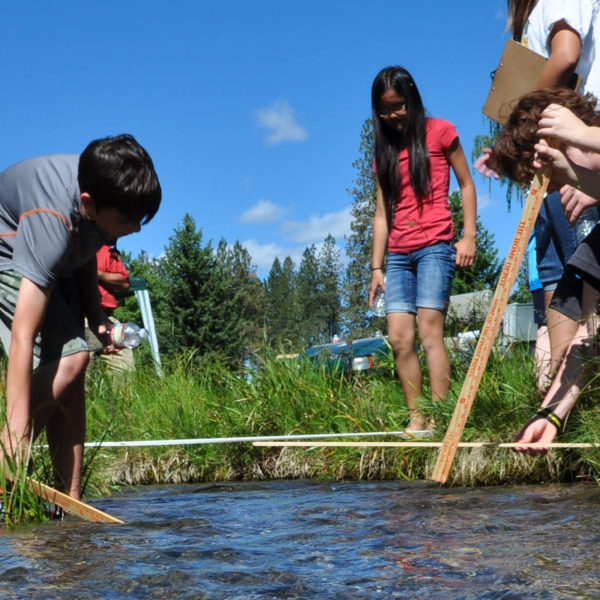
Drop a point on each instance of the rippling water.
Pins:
(306, 539)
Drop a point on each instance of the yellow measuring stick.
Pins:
(490, 327)
(417, 444)
(72, 506)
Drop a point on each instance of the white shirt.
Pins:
(582, 16)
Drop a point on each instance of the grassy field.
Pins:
(200, 399)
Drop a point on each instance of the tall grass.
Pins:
(293, 396)
(199, 398)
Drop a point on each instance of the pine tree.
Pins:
(248, 292)
(200, 298)
(281, 322)
(308, 297)
(330, 265)
(360, 242)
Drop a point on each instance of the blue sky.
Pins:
(252, 111)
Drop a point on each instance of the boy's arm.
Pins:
(29, 313)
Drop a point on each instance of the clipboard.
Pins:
(517, 73)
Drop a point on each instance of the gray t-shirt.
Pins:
(42, 233)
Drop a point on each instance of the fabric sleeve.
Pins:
(447, 134)
(578, 15)
(43, 240)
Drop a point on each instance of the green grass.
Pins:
(199, 398)
(282, 397)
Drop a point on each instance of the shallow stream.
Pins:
(325, 540)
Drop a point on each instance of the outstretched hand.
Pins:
(482, 164)
(536, 430)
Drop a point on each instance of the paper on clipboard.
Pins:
(517, 73)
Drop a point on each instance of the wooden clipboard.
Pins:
(517, 73)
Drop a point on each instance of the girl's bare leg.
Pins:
(431, 334)
(401, 328)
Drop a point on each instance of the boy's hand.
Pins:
(559, 122)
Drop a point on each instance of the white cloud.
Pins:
(263, 255)
(263, 212)
(316, 229)
(280, 121)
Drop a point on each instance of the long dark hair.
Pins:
(518, 13)
(388, 142)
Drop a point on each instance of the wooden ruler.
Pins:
(70, 505)
(417, 444)
(490, 327)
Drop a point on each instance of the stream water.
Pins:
(309, 539)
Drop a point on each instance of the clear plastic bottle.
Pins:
(378, 308)
(586, 222)
(127, 335)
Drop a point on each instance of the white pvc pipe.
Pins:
(232, 440)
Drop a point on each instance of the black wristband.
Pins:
(547, 414)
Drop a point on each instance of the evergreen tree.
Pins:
(199, 297)
(360, 242)
(248, 292)
(308, 298)
(330, 266)
(281, 325)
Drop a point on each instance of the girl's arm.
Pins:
(380, 238)
(465, 248)
(565, 50)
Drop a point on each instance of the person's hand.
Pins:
(574, 202)
(465, 252)
(482, 164)
(563, 168)
(536, 430)
(377, 281)
(101, 326)
(560, 123)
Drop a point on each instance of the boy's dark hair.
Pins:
(118, 173)
(389, 143)
(513, 151)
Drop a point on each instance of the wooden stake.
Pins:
(72, 506)
(417, 444)
(490, 327)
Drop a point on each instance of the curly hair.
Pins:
(513, 152)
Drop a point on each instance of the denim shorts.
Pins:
(555, 241)
(420, 279)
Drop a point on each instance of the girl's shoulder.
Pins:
(442, 130)
(435, 124)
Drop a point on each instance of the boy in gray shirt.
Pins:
(55, 213)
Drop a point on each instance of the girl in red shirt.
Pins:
(413, 156)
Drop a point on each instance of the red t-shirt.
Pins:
(421, 223)
(110, 262)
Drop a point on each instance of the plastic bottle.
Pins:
(378, 308)
(586, 222)
(127, 335)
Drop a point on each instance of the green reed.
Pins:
(198, 398)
